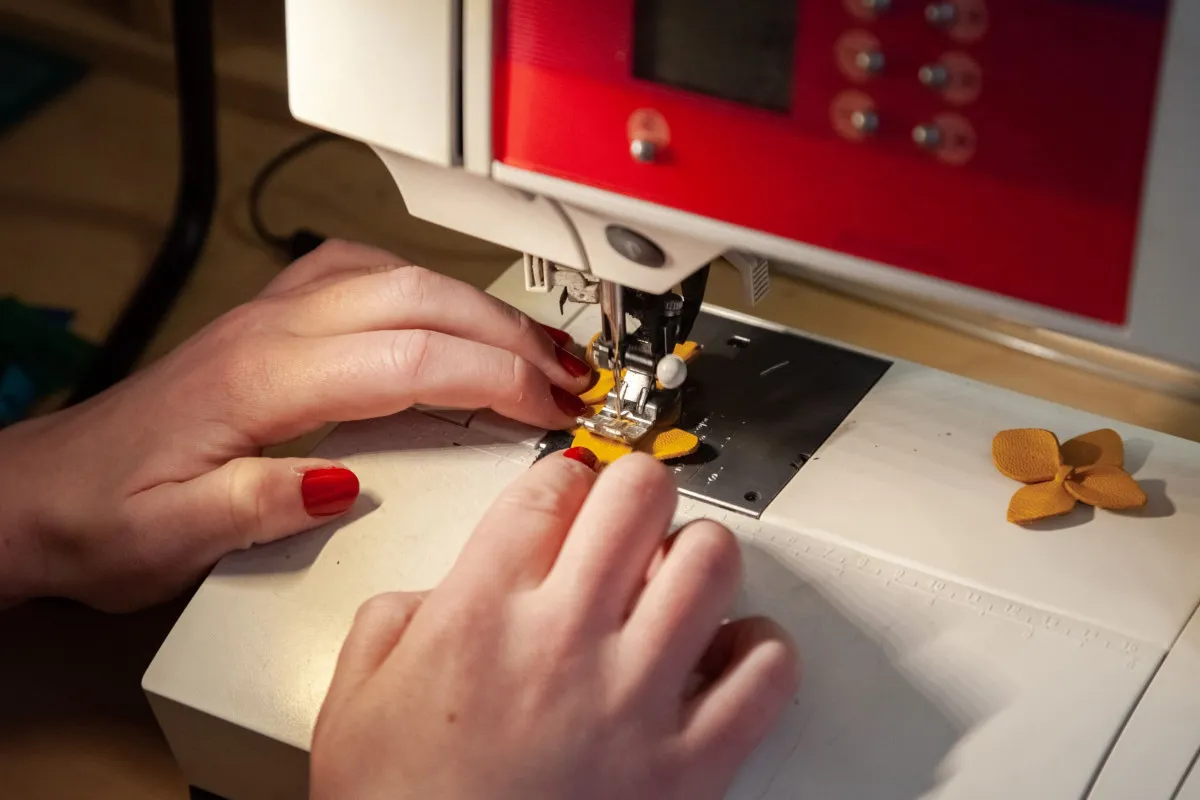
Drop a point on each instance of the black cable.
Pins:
(300, 241)
(194, 204)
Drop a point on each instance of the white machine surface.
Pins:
(947, 653)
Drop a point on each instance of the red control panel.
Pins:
(998, 144)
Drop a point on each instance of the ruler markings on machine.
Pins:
(833, 561)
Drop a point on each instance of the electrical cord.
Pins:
(301, 241)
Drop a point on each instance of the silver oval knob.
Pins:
(870, 61)
(935, 76)
(941, 15)
(643, 150)
(928, 136)
(865, 121)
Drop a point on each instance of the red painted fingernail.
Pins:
(573, 364)
(568, 403)
(561, 338)
(583, 456)
(328, 491)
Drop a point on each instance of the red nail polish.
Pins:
(583, 456)
(573, 364)
(561, 338)
(328, 491)
(568, 403)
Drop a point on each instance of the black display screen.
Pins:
(738, 50)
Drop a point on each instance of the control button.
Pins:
(853, 115)
(859, 55)
(870, 61)
(949, 137)
(927, 135)
(963, 20)
(865, 121)
(649, 135)
(956, 75)
(935, 76)
(868, 9)
(634, 246)
(941, 15)
(643, 150)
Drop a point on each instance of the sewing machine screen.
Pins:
(737, 50)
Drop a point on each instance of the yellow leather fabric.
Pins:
(663, 445)
(1087, 468)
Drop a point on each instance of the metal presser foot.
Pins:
(647, 374)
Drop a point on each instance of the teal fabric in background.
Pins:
(31, 76)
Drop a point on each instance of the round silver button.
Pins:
(928, 136)
(941, 15)
(643, 150)
(871, 62)
(865, 121)
(935, 76)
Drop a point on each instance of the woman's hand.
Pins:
(568, 654)
(121, 501)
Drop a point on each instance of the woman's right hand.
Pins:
(570, 653)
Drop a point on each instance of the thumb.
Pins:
(250, 501)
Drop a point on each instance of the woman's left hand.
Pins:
(122, 501)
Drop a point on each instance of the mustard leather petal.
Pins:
(1039, 501)
(599, 390)
(1098, 447)
(1106, 486)
(1028, 455)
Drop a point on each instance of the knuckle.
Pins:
(334, 250)
(383, 606)
(408, 353)
(548, 498)
(523, 379)
(711, 549)
(526, 330)
(244, 501)
(560, 636)
(242, 372)
(412, 285)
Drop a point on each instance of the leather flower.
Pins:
(1088, 469)
(663, 444)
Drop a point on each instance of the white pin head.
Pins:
(671, 371)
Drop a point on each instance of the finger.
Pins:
(755, 673)
(332, 260)
(517, 541)
(378, 626)
(245, 502)
(684, 604)
(414, 298)
(368, 375)
(609, 549)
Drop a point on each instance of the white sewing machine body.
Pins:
(948, 653)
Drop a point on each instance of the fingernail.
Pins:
(328, 491)
(568, 403)
(583, 456)
(573, 364)
(560, 337)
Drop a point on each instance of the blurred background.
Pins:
(90, 155)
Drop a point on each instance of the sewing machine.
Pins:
(995, 155)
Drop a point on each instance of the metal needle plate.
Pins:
(762, 403)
